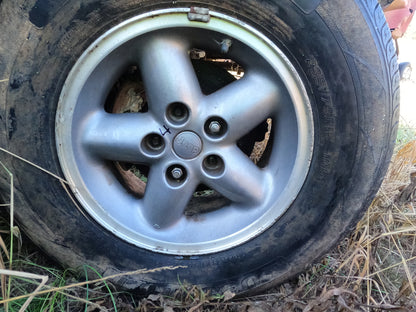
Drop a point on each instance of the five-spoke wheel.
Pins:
(182, 139)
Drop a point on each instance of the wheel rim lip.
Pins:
(81, 72)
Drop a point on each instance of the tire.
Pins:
(320, 84)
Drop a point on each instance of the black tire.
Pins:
(341, 50)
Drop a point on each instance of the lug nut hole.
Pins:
(213, 165)
(153, 143)
(177, 113)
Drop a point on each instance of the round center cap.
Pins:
(187, 144)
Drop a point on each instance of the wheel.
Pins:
(236, 141)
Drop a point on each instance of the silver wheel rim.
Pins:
(89, 139)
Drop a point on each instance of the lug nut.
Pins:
(177, 173)
(214, 127)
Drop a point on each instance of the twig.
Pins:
(34, 165)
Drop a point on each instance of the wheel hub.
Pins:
(187, 145)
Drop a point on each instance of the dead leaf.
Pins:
(154, 298)
(228, 295)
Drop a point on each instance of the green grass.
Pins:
(49, 302)
(23, 276)
(405, 134)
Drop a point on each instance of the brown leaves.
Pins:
(325, 300)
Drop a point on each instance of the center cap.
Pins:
(187, 144)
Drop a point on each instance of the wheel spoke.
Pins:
(168, 75)
(242, 181)
(118, 136)
(165, 202)
(244, 104)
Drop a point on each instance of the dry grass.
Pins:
(372, 270)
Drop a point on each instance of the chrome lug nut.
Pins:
(214, 127)
(177, 173)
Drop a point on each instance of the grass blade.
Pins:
(30, 297)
